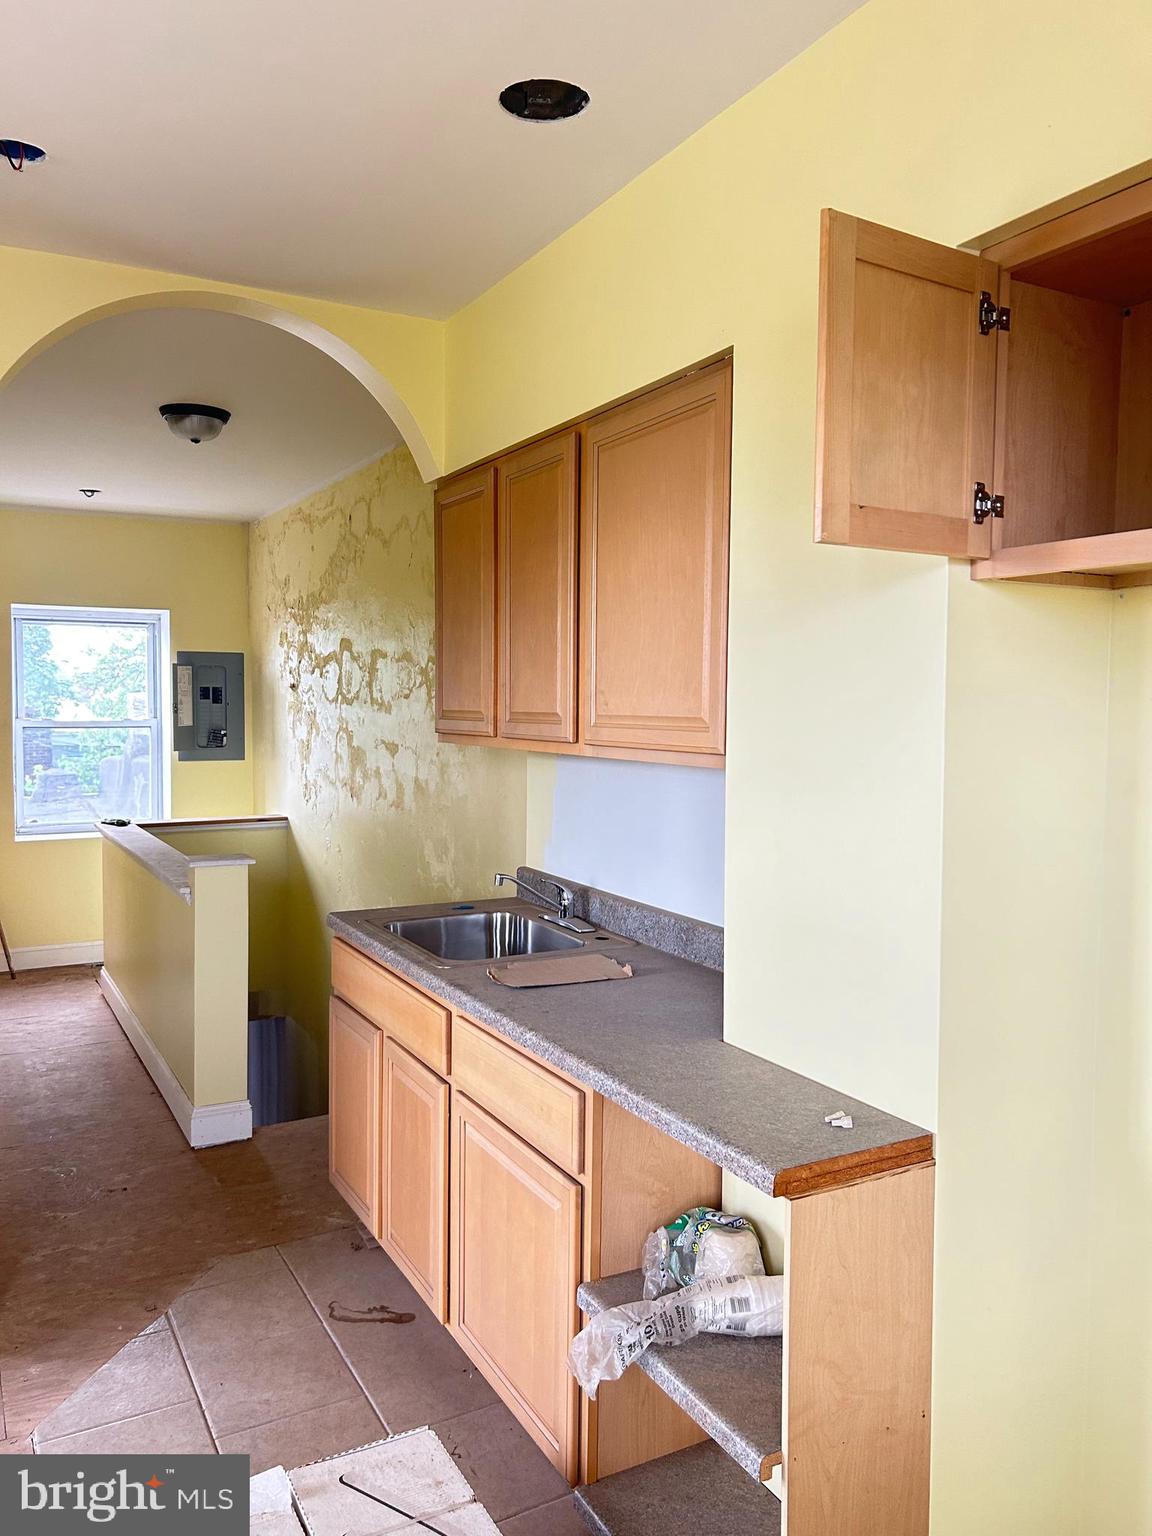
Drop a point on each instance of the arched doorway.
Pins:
(310, 331)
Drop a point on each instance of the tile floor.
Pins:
(251, 1359)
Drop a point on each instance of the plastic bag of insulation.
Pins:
(749, 1305)
(703, 1244)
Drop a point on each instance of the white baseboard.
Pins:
(204, 1125)
(45, 957)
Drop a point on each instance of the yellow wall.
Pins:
(858, 905)
(268, 898)
(182, 968)
(50, 890)
(345, 744)
(220, 983)
(149, 950)
(1120, 1238)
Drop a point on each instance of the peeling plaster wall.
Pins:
(341, 593)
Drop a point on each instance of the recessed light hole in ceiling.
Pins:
(543, 101)
(19, 153)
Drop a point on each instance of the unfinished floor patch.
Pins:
(408, 1483)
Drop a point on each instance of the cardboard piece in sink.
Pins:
(406, 1484)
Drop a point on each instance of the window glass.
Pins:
(87, 734)
(86, 671)
(73, 777)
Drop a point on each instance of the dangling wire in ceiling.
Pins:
(19, 154)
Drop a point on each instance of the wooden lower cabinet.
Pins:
(414, 1192)
(516, 1253)
(355, 1055)
(497, 1185)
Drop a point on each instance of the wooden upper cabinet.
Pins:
(654, 568)
(906, 391)
(537, 500)
(466, 603)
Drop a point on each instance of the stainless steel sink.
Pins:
(482, 935)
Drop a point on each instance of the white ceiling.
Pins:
(356, 149)
(86, 413)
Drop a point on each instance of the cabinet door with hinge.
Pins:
(414, 1201)
(654, 568)
(515, 1268)
(906, 391)
(466, 604)
(355, 1054)
(537, 490)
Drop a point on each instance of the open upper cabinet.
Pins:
(995, 406)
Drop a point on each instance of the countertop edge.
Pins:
(165, 863)
(912, 1147)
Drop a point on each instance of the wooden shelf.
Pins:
(730, 1386)
(698, 1489)
(1117, 559)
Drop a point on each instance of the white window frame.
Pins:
(159, 723)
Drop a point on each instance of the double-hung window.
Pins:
(90, 717)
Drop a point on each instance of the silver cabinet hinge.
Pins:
(993, 316)
(984, 504)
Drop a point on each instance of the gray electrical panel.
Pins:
(208, 706)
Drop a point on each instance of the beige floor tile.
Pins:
(556, 1519)
(180, 1430)
(244, 1382)
(248, 1309)
(415, 1373)
(245, 1267)
(147, 1374)
(307, 1436)
(508, 1472)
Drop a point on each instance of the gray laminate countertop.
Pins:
(655, 1046)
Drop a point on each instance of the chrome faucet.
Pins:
(563, 918)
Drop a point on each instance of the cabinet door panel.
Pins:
(515, 1268)
(906, 391)
(1059, 416)
(654, 568)
(466, 604)
(537, 575)
(414, 1206)
(355, 1052)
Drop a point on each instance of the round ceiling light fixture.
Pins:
(19, 153)
(544, 101)
(196, 423)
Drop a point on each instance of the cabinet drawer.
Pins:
(397, 1008)
(538, 1105)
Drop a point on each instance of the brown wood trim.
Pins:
(776, 1459)
(1099, 553)
(584, 749)
(907, 532)
(1071, 201)
(852, 1168)
(1087, 579)
(1077, 226)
